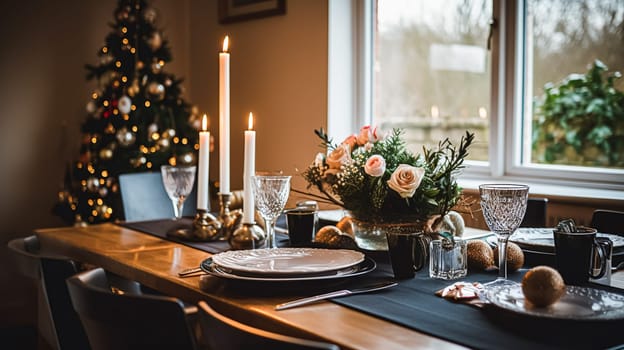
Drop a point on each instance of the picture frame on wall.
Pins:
(242, 10)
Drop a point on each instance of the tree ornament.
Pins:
(110, 129)
(103, 191)
(168, 82)
(134, 88)
(155, 41)
(156, 90)
(106, 153)
(125, 137)
(152, 128)
(186, 158)
(163, 143)
(140, 65)
(91, 107)
(150, 15)
(103, 211)
(137, 162)
(125, 104)
(93, 184)
(169, 133)
(156, 67)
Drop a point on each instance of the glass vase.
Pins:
(372, 235)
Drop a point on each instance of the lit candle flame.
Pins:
(226, 42)
(205, 123)
(250, 122)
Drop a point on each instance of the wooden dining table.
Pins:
(156, 262)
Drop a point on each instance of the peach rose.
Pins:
(406, 179)
(375, 165)
(339, 156)
(351, 141)
(364, 135)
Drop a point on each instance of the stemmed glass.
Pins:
(503, 208)
(270, 193)
(178, 182)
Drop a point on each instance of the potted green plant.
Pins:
(580, 121)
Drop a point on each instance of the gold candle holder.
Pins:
(229, 219)
(247, 236)
(205, 228)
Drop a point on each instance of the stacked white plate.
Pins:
(288, 264)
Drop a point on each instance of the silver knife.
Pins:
(338, 293)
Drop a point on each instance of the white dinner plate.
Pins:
(362, 268)
(542, 239)
(287, 261)
(579, 303)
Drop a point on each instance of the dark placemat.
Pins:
(159, 228)
(413, 304)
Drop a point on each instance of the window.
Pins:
(438, 68)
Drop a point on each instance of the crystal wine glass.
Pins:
(503, 208)
(270, 193)
(178, 181)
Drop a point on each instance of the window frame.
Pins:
(352, 46)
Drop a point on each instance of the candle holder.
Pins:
(247, 236)
(229, 219)
(205, 228)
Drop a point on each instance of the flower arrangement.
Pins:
(373, 175)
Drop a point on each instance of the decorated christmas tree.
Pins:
(136, 118)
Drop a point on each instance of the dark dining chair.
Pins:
(57, 322)
(143, 197)
(221, 332)
(117, 320)
(535, 215)
(608, 221)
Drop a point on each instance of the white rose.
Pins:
(339, 156)
(375, 165)
(319, 160)
(406, 179)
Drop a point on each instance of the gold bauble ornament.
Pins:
(156, 90)
(106, 153)
(163, 142)
(134, 88)
(155, 41)
(125, 137)
(140, 65)
(169, 133)
(93, 184)
(186, 159)
(103, 191)
(156, 67)
(150, 15)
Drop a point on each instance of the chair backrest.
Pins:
(221, 332)
(59, 324)
(535, 215)
(608, 221)
(128, 321)
(144, 197)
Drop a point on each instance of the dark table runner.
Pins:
(413, 304)
(159, 228)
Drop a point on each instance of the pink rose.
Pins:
(339, 156)
(351, 141)
(364, 135)
(375, 165)
(369, 134)
(406, 179)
